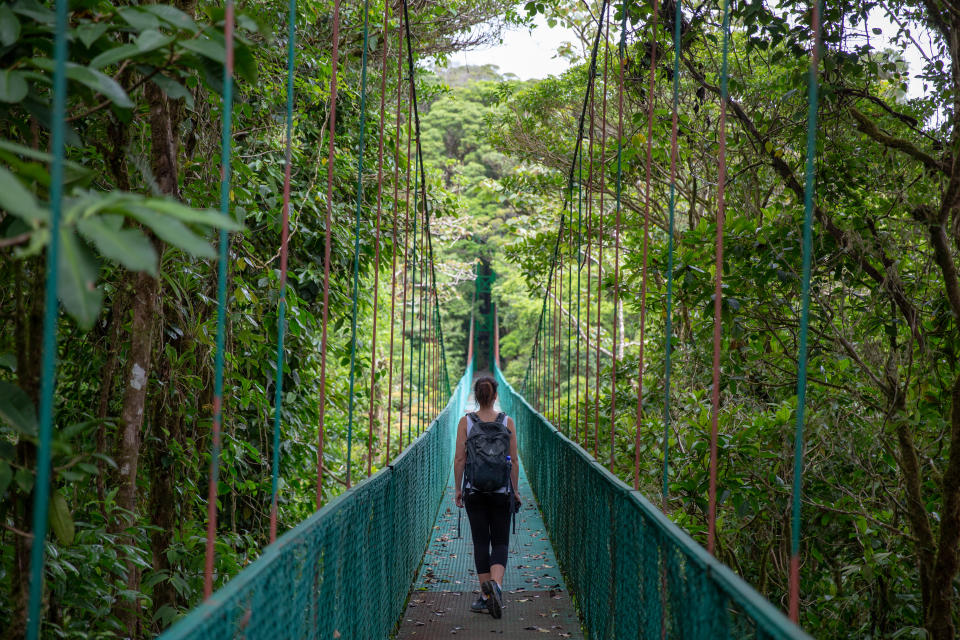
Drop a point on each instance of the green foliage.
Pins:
(136, 211)
(861, 564)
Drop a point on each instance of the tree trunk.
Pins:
(916, 509)
(163, 149)
(131, 421)
(942, 595)
(114, 333)
(29, 332)
(163, 500)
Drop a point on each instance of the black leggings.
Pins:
(489, 515)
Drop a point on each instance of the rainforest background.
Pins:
(881, 511)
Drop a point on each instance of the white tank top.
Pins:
(470, 423)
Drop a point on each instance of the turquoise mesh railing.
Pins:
(628, 566)
(346, 570)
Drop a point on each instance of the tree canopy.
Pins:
(881, 511)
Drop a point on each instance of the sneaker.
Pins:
(479, 606)
(494, 598)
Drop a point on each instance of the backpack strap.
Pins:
(473, 416)
(502, 418)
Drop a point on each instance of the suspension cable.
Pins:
(356, 237)
(668, 322)
(284, 239)
(557, 321)
(225, 138)
(413, 280)
(569, 312)
(406, 255)
(580, 259)
(422, 320)
(589, 257)
(376, 260)
(542, 324)
(616, 238)
(718, 288)
(41, 490)
(808, 195)
(416, 120)
(603, 180)
(328, 226)
(646, 242)
(396, 213)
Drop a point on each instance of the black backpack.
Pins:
(488, 449)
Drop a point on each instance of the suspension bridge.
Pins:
(594, 558)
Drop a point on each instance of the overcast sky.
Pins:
(524, 53)
(533, 53)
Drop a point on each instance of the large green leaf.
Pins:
(101, 83)
(173, 231)
(91, 78)
(146, 42)
(13, 86)
(33, 9)
(78, 280)
(129, 247)
(206, 47)
(17, 410)
(173, 89)
(9, 26)
(172, 15)
(61, 520)
(114, 55)
(11, 152)
(245, 63)
(17, 200)
(84, 204)
(25, 480)
(90, 32)
(152, 39)
(207, 217)
(138, 18)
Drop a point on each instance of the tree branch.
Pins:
(849, 241)
(870, 128)
(941, 254)
(580, 330)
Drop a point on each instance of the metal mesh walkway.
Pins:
(536, 602)
(344, 572)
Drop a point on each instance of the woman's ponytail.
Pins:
(484, 391)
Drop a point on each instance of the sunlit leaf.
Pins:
(129, 247)
(61, 520)
(17, 200)
(174, 232)
(78, 280)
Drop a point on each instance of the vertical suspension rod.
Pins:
(616, 239)
(718, 287)
(356, 241)
(376, 259)
(646, 241)
(328, 225)
(284, 239)
(812, 99)
(41, 490)
(225, 138)
(396, 213)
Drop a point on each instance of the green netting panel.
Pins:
(629, 567)
(346, 570)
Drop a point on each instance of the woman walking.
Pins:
(486, 473)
